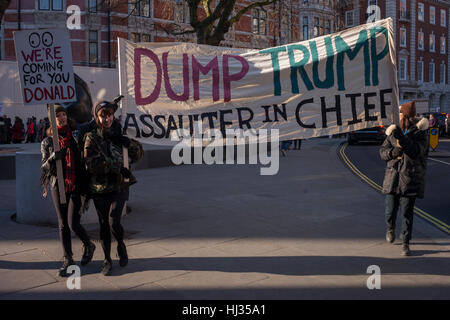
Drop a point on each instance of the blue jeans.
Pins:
(406, 205)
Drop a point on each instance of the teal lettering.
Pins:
(329, 78)
(343, 49)
(300, 66)
(276, 68)
(377, 56)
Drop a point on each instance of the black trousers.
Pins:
(406, 205)
(109, 210)
(69, 219)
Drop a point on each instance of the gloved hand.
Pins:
(397, 133)
(56, 155)
(121, 141)
(125, 172)
(396, 152)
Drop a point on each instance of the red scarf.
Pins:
(65, 135)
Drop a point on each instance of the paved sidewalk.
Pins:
(225, 232)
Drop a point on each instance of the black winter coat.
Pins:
(405, 175)
(48, 168)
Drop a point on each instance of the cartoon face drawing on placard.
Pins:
(47, 39)
(34, 39)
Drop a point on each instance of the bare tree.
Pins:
(4, 4)
(210, 23)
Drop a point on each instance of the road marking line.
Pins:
(424, 215)
(439, 161)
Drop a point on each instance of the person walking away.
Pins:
(405, 151)
(108, 186)
(69, 214)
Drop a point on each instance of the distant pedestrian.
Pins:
(297, 144)
(447, 125)
(285, 145)
(30, 131)
(3, 131)
(433, 123)
(41, 130)
(17, 131)
(69, 214)
(109, 180)
(405, 151)
(8, 129)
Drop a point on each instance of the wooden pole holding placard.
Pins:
(124, 150)
(59, 171)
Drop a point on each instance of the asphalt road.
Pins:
(365, 158)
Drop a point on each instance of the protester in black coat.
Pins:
(405, 151)
(69, 214)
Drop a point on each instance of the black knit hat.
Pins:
(102, 105)
(58, 108)
(106, 104)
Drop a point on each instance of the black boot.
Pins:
(390, 235)
(62, 272)
(107, 267)
(88, 253)
(123, 255)
(405, 249)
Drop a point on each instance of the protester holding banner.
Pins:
(69, 214)
(109, 180)
(405, 151)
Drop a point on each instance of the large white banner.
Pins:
(328, 85)
(44, 58)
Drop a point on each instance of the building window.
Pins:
(140, 8)
(146, 38)
(432, 43)
(44, 4)
(420, 40)
(442, 74)
(316, 27)
(55, 5)
(420, 71)
(421, 12)
(402, 37)
(431, 72)
(327, 26)
(93, 47)
(183, 10)
(259, 22)
(145, 8)
(432, 15)
(349, 21)
(135, 37)
(443, 44)
(402, 69)
(402, 9)
(443, 18)
(93, 6)
(305, 28)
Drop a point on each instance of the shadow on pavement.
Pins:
(282, 265)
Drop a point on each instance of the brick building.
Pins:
(94, 43)
(421, 31)
(422, 35)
